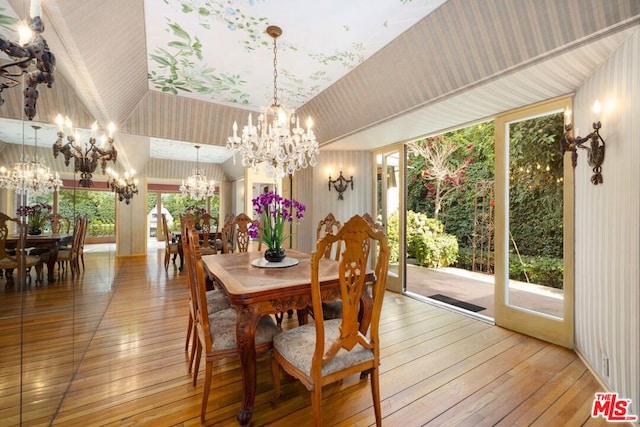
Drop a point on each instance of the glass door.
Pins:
(534, 224)
(389, 208)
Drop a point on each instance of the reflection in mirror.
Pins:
(47, 324)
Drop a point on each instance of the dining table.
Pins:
(47, 241)
(256, 288)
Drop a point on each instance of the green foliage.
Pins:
(458, 208)
(546, 271)
(426, 241)
(535, 185)
(98, 206)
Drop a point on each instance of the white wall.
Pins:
(607, 243)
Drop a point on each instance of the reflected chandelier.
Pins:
(30, 177)
(277, 140)
(30, 46)
(86, 156)
(125, 187)
(196, 186)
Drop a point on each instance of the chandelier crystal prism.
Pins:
(196, 186)
(30, 177)
(276, 140)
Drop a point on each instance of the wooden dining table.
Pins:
(258, 291)
(47, 241)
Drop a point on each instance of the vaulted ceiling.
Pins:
(174, 73)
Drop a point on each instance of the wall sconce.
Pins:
(85, 156)
(595, 153)
(340, 184)
(125, 187)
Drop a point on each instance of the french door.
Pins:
(518, 304)
(389, 208)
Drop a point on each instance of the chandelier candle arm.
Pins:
(86, 156)
(125, 187)
(277, 140)
(31, 46)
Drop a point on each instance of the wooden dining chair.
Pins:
(235, 234)
(227, 235)
(216, 299)
(170, 247)
(208, 246)
(326, 351)
(329, 224)
(12, 261)
(216, 331)
(242, 221)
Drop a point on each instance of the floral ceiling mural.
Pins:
(218, 51)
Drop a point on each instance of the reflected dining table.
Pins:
(256, 291)
(47, 241)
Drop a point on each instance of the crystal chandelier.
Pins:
(86, 156)
(31, 46)
(196, 186)
(30, 177)
(277, 140)
(125, 187)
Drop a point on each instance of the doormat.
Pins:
(457, 303)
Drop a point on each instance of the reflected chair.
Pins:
(59, 224)
(216, 299)
(216, 331)
(68, 255)
(324, 352)
(11, 261)
(170, 247)
(81, 242)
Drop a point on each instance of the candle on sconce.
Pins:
(94, 129)
(567, 116)
(35, 9)
(111, 128)
(596, 111)
(60, 123)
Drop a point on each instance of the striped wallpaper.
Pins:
(607, 242)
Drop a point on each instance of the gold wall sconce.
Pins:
(595, 150)
(341, 184)
(125, 187)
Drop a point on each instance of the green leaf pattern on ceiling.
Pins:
(7, 24)
(182, 72)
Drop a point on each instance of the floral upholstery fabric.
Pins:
(223, 329)
(216, 301)
(298, 344)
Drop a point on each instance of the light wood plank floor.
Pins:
(437, 367)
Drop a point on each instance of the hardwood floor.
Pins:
(437, 367)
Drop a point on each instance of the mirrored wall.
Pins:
(48, 319)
